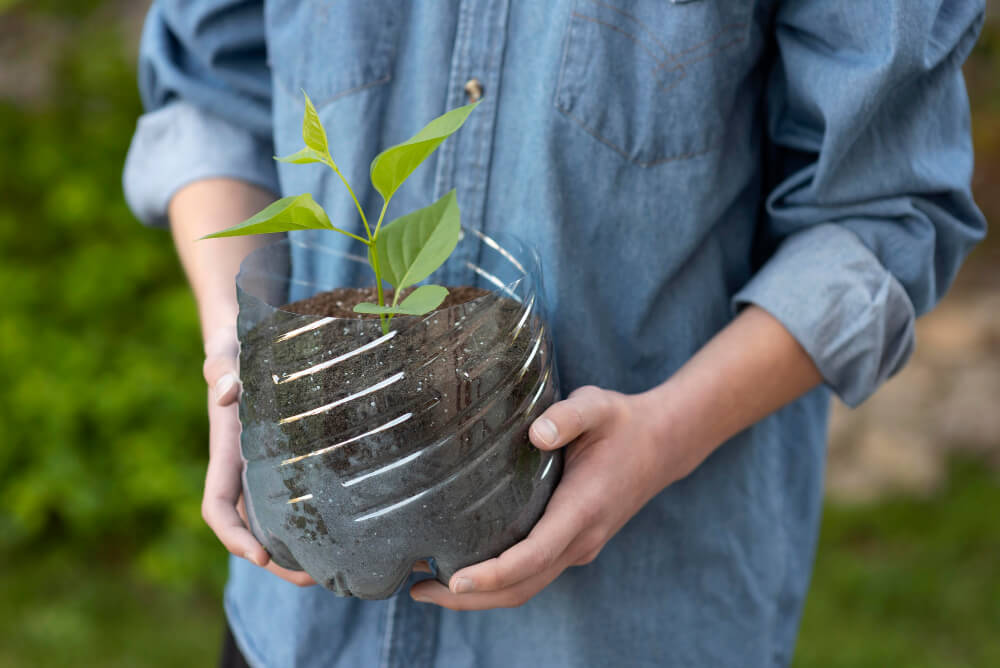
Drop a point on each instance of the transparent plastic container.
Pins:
(365, 452)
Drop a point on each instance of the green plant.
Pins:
(404, 252)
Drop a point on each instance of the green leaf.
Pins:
(394, 165)
(313, 133)
(424, 299)
(412, 246)
(300, 212)
(303, 157)
(421, 301)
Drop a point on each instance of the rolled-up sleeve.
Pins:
(206, 88)
(870, 212)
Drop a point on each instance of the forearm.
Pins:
(204, 207)
(747, 371)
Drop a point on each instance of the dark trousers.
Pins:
(231, 655)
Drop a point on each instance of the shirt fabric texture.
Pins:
(672, 161)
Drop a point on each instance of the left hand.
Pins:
(615, 463)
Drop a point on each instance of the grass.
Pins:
(75, 610)
(908, 582)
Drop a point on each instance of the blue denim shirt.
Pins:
(672, 161)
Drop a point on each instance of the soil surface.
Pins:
(340, 303)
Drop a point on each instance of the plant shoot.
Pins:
(402, 252)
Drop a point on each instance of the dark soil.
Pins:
(340, 303)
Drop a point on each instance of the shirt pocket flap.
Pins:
(651, 79)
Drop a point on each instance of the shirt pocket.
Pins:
(331, 49)
(654, 79)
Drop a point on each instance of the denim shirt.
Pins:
(672, 161)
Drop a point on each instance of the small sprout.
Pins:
(404, 252)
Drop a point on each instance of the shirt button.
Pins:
(474, 89)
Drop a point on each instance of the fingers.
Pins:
(298, 578)
(223, 486)
(227, 389)
(222, 378)
(219, 511)
(222, 518)
(565, 420)
(545, 548)
(220, 369)
(432, 591)
(564, 536)
(222, 504)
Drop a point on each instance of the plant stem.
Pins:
(373, 255)
(381, 215)
(378, 276)
(366, 242)
(370, 242)
(333, 166)
(395, 297)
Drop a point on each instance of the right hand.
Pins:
(222, 503)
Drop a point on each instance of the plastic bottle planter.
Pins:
(368, 451)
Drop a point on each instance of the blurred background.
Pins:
(105, 558)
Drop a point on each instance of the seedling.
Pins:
(403, 252)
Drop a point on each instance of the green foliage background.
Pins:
(103, 434)
(101, 398)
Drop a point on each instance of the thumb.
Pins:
(222, 378)
(566, 420)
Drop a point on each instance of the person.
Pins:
(741, 206)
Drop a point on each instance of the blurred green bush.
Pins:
(102, 404)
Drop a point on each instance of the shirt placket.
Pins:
(410, 632)
(464, 160)
(411, 628)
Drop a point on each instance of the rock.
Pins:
(884, 461)
(953, 332)
(967, 417)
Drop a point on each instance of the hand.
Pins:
(222, 504)
(629, 448)
(614, 464)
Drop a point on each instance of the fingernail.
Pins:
(419, 598)
(223, 385)
(462, 585)
(248, 555)
(546, 431)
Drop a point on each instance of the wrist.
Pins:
(677, 426)
(666, 412)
